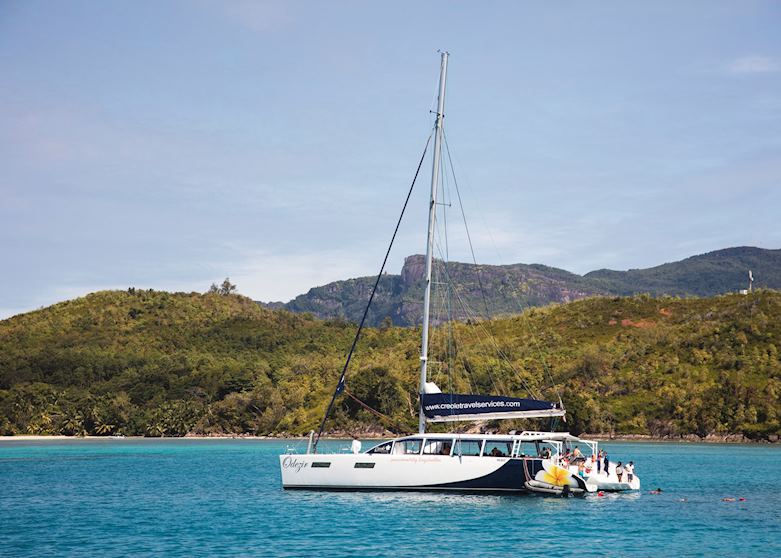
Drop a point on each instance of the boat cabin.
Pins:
(526, 444)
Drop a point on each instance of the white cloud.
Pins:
(752, 65)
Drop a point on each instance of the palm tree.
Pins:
(73, 424)
(103, 428)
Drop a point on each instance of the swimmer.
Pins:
(657, 491)
(728, 499)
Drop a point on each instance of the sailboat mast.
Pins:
(432, 210)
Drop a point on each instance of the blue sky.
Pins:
(168, 145)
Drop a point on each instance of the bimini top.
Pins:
(450, 407)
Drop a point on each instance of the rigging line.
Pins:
(474, 260)
(390, 420)
(536, 342)
(444, 295)
(446, 200)
(469, 378)
(434, 365)
(532, 391)
(471, 314)
(466, 227)
(444, 329)
(340, 386)
(469, 239)
(468, 313)
(450, 369)
(516, 296)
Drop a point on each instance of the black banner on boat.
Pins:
(440, 407)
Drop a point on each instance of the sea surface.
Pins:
(179, 497)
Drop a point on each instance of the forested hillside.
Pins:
(718, 272)
(509, 289)
(156, 363)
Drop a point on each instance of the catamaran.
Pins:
(531, 461)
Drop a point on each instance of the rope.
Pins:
(340, 385)
(393, 422)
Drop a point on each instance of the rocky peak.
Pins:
(414, 269)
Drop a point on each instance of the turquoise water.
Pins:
(223, 498)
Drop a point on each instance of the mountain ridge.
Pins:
(509, 289)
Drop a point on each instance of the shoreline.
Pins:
(602, 438)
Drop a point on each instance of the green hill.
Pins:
(511, 288)
(156, 363)
(708, 274)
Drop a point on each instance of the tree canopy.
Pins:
(168, 364)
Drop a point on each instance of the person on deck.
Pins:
(620, 472)
(607, 463)
(630, 471)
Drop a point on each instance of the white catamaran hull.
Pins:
(414, 472)
(364, 471)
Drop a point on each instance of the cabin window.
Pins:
(501, 448)
(528, 449)
(382, 448)
(468, 447)
(437, 447)
(407, 447)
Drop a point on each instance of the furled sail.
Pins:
(449, 407)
